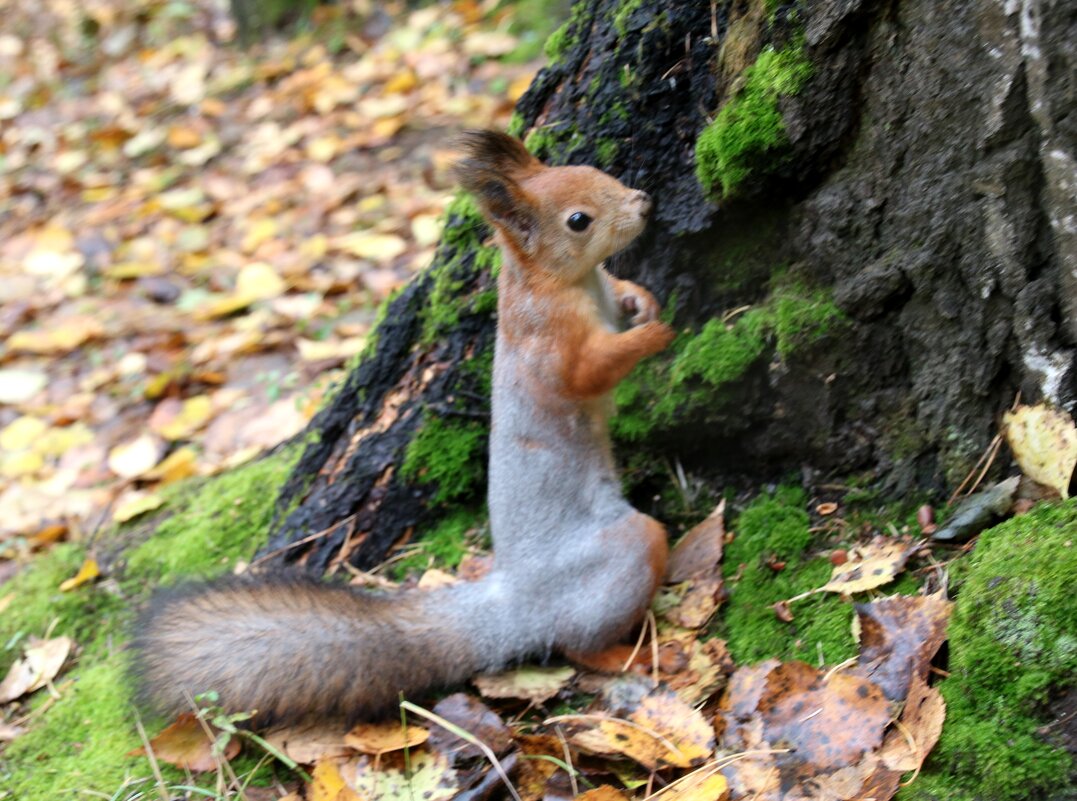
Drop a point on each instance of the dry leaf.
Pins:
(328, 784)
(371, 245)
(1044, 443)
(179, 464)
(871, 565)
(192, 415)
(309, 744)
(186, 745)
(474, 717)
(533, 684)
(133, 458)
(40, 664)
(921, 720)
(700, 550)
(427, 776)
(87, 573)
(898, 638)
(134, 503)
(705, 784)
(19, 386)
(379, 738)
(259, 281)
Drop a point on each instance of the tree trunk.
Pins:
(865, 229)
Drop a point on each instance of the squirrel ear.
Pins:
(508, 207)
(496, 151)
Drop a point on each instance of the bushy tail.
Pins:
(296, 649)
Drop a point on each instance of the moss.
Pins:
(443, 546)
(693, 374)
(565, 37)
(776, 527)
(622, 15)
(445, 453)
(218, 521)
(1012, 647)
(606, 150)
(748, 135)
(81, 742)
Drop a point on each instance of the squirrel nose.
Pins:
(644, 202)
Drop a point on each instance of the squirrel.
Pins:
(575, 565)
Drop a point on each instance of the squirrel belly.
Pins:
(295, 649)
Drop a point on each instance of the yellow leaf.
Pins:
(401, 83)
(519, 86)
(61, 338)
(222, 306)
(179, 464)
(133, 458)
(323, 148)
(529, 683)
(328, 784)
(871, 565)
(371, 245)
(311, 350)
(19, 386)
(1044, 443)
(703, 785)
(23, 463)
(259, 281)
(426, 228)
(87, 573)
(21, 433)
(134, 269)
(194, 414)
(259, 232)
(134, 503)
(182, 137)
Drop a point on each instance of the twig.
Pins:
(152, 757)
(304, 541)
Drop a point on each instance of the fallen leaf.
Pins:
(19, 386)
(9, 731)
(134, 458)
(426, 776)
(86, 573)
(134, 503)
(898, 638)
(921, 722)
(606, 793)
(1044, 443)
(189, 417)
(871, 565)
(370, 245)
(309, 744)
(533, 684)
(40, 664)
(186, 744)
(328, 784)
(259, 281)
(705, 784)
(62, 337)
(179, 464)
(700, 550)
(474, 717)
(380, 738)
(699, 603)
(331, 350)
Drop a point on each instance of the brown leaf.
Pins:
(605, 793)
(898, 638)
(380, 738)
(921, 722)
(309, 744)
(700, 550)
(474, 717)
(186, 745)
(426, 776)
(700, 602)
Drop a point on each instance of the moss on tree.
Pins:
(748, 135)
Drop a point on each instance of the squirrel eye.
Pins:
(579, 221)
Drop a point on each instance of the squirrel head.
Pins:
(563, 221)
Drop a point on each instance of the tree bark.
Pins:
(887, 255)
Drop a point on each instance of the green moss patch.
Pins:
(1013, 646)
(218, 521)
(446, 544)
(774, 528)
(446, 453)
(79, 743)
(748, 135)
(691, 378)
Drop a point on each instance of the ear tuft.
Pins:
(488, 151)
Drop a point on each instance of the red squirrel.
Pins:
(575, 565)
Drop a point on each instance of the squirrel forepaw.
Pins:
(639, 306)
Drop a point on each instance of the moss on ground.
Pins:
(79, 743)
(1013, 646)
(692, 376)
(748, 135)
(775, 527)
(446, 544)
